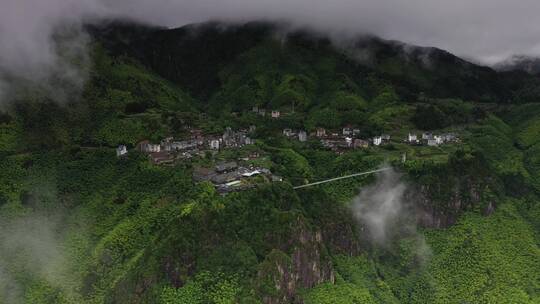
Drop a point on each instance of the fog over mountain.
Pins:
(486, 31)
(527, 64)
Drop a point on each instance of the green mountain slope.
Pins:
(80, 225)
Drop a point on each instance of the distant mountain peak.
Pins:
(529, 64)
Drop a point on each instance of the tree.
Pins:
(429, 117)
(327, 118)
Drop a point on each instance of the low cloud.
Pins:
(29, 246)
(484, 30)
(387, 217)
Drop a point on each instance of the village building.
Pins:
(214, 144)
(255, 109)
(427, 136)
(228, 133)
(288, 132)
(377, 140)
(254, 155)
(276, 114)
(449, 137)
(147, 147)
(228, 176)
(302, 136)
(121, 150)
(347, 131)
(336, 143)
(432, 142)
(166, 141)
(249, 172)
(234, 139)
(356, 132)
(161, 158)
(321, 132)
(385, 137)
(226, 167)
(412, 139)
(225, 177)
(182, 145)
(276, 178)
(262, 112)
(165, 146)
(360, 143)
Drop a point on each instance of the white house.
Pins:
(449, 137)
(321, 132)
(377, 140)
(214, 144)
(288, 132)
(432, 142)
(184, 145)
(154, 148)
(427, 136)
(147, 147)
(302, 136)
(276, 114)
(251, 173)
(121, 150)
(412, 138)
(439, 139)
(347, 131)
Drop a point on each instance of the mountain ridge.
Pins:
(528, 64)
(199, 50)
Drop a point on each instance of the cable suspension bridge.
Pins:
(341, 177)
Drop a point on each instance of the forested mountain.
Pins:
(456, 219)
(527, 64)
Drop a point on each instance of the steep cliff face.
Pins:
(301, 264)
(436, 212)
(442, 192)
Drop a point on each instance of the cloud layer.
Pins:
(484, 30)
(487, 30)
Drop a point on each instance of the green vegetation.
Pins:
(80, 225)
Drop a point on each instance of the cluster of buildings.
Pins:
(300, 135)
(233, 139)
(230, 177)
(430, 139)
(169, 149)
(349, 138)
(264, 112)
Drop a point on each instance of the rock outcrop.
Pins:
(302, 263)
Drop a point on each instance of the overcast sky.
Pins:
(483, 30)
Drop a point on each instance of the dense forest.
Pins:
(452, 223)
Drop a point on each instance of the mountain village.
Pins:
(239, 174)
